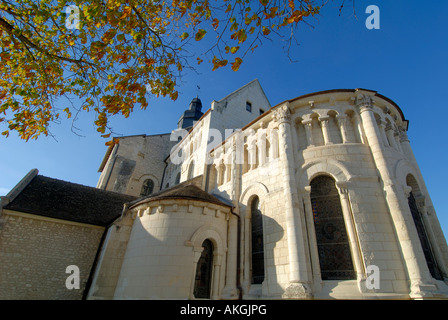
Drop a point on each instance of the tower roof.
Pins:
(192, 114)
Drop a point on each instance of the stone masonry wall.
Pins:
(35, 252)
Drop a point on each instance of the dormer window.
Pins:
(248, 106)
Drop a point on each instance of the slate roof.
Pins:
(59, 199)
(184, 190)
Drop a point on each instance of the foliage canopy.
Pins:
(113, 54)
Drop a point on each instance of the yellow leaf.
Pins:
(236, 64)
(200, 34)
(184, 35)
(234, 49)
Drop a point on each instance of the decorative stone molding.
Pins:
(282, 114)
(403, 134)
(298, 291)
(364, 102)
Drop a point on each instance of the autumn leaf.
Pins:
(184, 35)
(123, 53)
(236, 64)
(266, 31)
(200, 34)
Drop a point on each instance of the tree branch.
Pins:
(10, 30)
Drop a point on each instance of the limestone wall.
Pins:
(165, 245)
(35, 252)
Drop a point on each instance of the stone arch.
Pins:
(412, 182)
(148, 176)
(403, 168)
(255, 189)
(145, 176)
(331, 167)
(213, 234)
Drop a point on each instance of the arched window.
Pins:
(202, 281)
(177, 179)
(331, 235)
(191, 170)
(257, 242)
(147, 187)
(421, 230)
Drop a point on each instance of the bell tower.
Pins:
(192, 114)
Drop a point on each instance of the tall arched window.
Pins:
(177, 179)
(331, 235)
(202, 281)
(257, 242)
(421, 230)
(191, 170)
(147, 187)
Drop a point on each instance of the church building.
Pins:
(317, 197)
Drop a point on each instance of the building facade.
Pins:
(318, 197)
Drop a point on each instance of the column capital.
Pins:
(324, 120)
(307, 121)
(342, 188)
(403, 135)
(407, 191)
(306, 190)
(364, 102)
(341, 118)
(283, 113)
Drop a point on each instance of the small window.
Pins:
(261, 111)
(249, 106)
(147, 188)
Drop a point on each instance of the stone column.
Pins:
(197, 251)
(342, 122)
(440, 244)
(299, 284)
(251, 152)
(381, 127)
(414, 260)
(216, 276)
(314, 252)
(352, 232)
(261, 142)
(391, 137)
(230, 290)
(308, 125)
(325, 130)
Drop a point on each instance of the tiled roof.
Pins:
(186, 191)
(59, 199)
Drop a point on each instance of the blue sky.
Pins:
(405, 60)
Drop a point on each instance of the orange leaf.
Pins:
(236, 64)
(266, 31)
